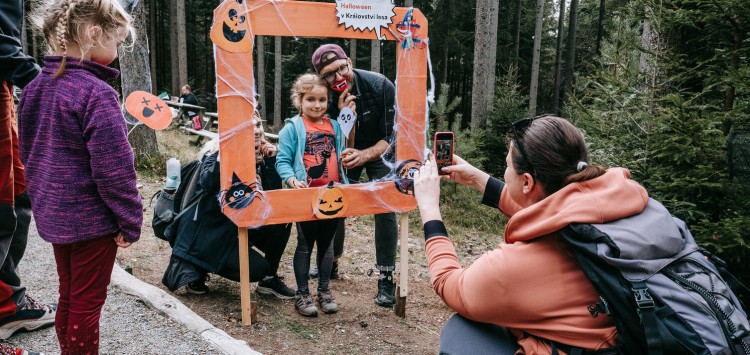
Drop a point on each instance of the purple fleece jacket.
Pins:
(79, 165)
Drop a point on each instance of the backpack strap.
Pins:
(658, 338)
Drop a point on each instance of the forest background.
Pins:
(659, 87)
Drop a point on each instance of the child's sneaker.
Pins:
(9, 349)
(33, 315)
(327, 302)
(304, 305)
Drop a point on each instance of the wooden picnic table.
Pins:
(184, 108)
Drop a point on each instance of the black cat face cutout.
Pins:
(240, 194)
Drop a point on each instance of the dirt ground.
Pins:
(359, 327)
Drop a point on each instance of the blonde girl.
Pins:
(80, 172)
(310, 146)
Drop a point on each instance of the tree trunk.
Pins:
(174, 51)
(533, 87)
(375, 56)
(152, 44)
(485, 55)
(277, 83)
(181, 43)
(738, 36)
(136, 75)
(260, 78)
(600, 27)
(517, 32)
(558, 56)
(571, 60)
(353, 51)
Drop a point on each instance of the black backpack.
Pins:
(170, 207)
(664, 295)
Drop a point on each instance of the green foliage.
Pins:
(509, 105)
(662, 112)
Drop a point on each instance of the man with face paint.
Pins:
(372, 97)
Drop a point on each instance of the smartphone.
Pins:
(443, 150)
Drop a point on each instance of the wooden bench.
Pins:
(201, 133)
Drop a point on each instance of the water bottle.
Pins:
(173, 175)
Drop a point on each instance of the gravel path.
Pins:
(128, 326)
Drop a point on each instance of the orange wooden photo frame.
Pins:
(235, 95)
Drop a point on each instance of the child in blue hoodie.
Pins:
(310, 145)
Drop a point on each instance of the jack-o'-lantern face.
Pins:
(149, 109)
(230, 27)
(330, 202)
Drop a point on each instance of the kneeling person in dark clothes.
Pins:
(207, 241)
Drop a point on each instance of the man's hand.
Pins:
(352, 158)
(347, 100)
(120, 241)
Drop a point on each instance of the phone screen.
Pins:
(443, 150)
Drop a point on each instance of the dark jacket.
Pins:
(15, 66)
(189, 99)
(205, 236)
(376, 108)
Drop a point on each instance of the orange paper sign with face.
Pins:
(230, 28)
(149, 109)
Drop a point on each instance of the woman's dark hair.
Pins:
(550, 149)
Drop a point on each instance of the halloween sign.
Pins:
(330, 201)
(235, 93)
(365, 14)
(148, 109)
(230, 30)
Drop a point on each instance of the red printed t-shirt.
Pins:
(320, 158)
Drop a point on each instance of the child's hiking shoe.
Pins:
(198, 287)
(327, 302)
(274, 285)
(386, 293)
(9, 349)
(33, 315)
(304, 305)
(313, 272)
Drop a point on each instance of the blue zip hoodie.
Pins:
(289, 159)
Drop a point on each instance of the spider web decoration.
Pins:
(236, 23)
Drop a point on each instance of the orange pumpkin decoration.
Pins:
(230, 28)
(330, 202)
(149, 109)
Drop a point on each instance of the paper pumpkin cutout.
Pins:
(330, 201)
(230, 28)
(149, 109)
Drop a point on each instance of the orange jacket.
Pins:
(532, 285)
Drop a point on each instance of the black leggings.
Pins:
(318, 232)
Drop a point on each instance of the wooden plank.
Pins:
(403, 289)
(203, 133)
(245, 301)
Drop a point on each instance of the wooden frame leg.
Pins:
(245, 300)
(403, 283)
